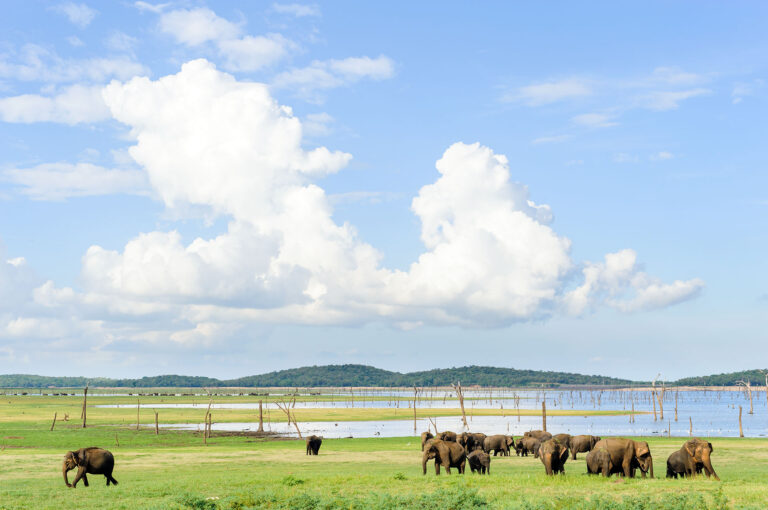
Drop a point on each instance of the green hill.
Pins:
(757, 377)
(333, 375)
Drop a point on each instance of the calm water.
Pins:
(713, 414)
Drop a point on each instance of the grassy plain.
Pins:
(175, 470)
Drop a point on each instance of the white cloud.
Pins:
(745, 89)
(661, 156)
(207, 140)
(59, 181)
(251, 53)
(623, 157)
(195, 27)
(595, 120)
(146, 6)
(318, 124)
(670, 100)
(550, 92)
(550, 139)
(675, 76)
(75, 41)
(75, 104)
(298, 10)
(78, 14)
(35, 63)
(619, 283)
(335, 73)
(120, 41)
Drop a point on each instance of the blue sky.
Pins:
(231, 188)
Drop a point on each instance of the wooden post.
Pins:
(741, 431)
(544, 415)
(653, 398)
(137, 413)
(690, 426)
(660, 396)
(261, 419)
(676, 392)
(415, 392)
(85, 403)
(669, 428)
(54, 422)
(157, 426)
(748, 387)
(117, 442)
(632, 414)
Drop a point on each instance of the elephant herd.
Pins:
(614, 455)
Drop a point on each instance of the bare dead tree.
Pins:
(747, 385)
(54, 421)
(415, 396)
(741, 431)
(460, 396)
(261, 419)
(434, 424)
(287, 410)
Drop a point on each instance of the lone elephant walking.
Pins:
(93, 460)
(313, 444)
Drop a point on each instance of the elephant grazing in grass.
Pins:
(96, 461)
(627, 455)
(599, 461)
(313, 444)
(480, 462)
(447, 436)
(692, 458)
(446, 453)
(553, 455)
(471, 441)
(528, 444)
(581, 444)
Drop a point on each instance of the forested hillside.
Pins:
(363, 375)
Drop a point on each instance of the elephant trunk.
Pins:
(64, 471)
(548, 462)
(708, 466)
(424, 459)
(650, 465)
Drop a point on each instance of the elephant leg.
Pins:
(437, 467)
(85, 479)
(627, 469)
(80, 474)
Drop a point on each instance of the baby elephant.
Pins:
(480, 462)
(313, 444)
(599, 461)
(95, 461)
(553, 455)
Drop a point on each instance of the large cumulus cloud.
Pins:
(491, 256)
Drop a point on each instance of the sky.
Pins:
(230, 188)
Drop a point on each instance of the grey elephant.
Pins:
(563, 439)
(581, 444)
(93, 460)
(599, 462)
(553, 455)
(447, 436)
(479, 462)
(538, 434)
(528, 445)
(446, 453)
(498, 443)
(628, 455)
(471, 441)
(692, 458)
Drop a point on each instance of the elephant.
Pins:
(627, 455)
(563, 439)
(692, 458)
(581, 444)
(599, 461)
(447, 436)
(498, 443)
(553, 455)
(471, 441)
(480, 462)
(446, 453)
(93, 460)
(528, 445)
(425, 436)
(313, 444)
(538, 434)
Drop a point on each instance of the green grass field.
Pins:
(176, 470)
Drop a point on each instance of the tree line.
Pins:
(363, 375)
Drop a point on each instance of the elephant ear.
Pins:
(710, 448)
(563, 454)
(80, 457)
